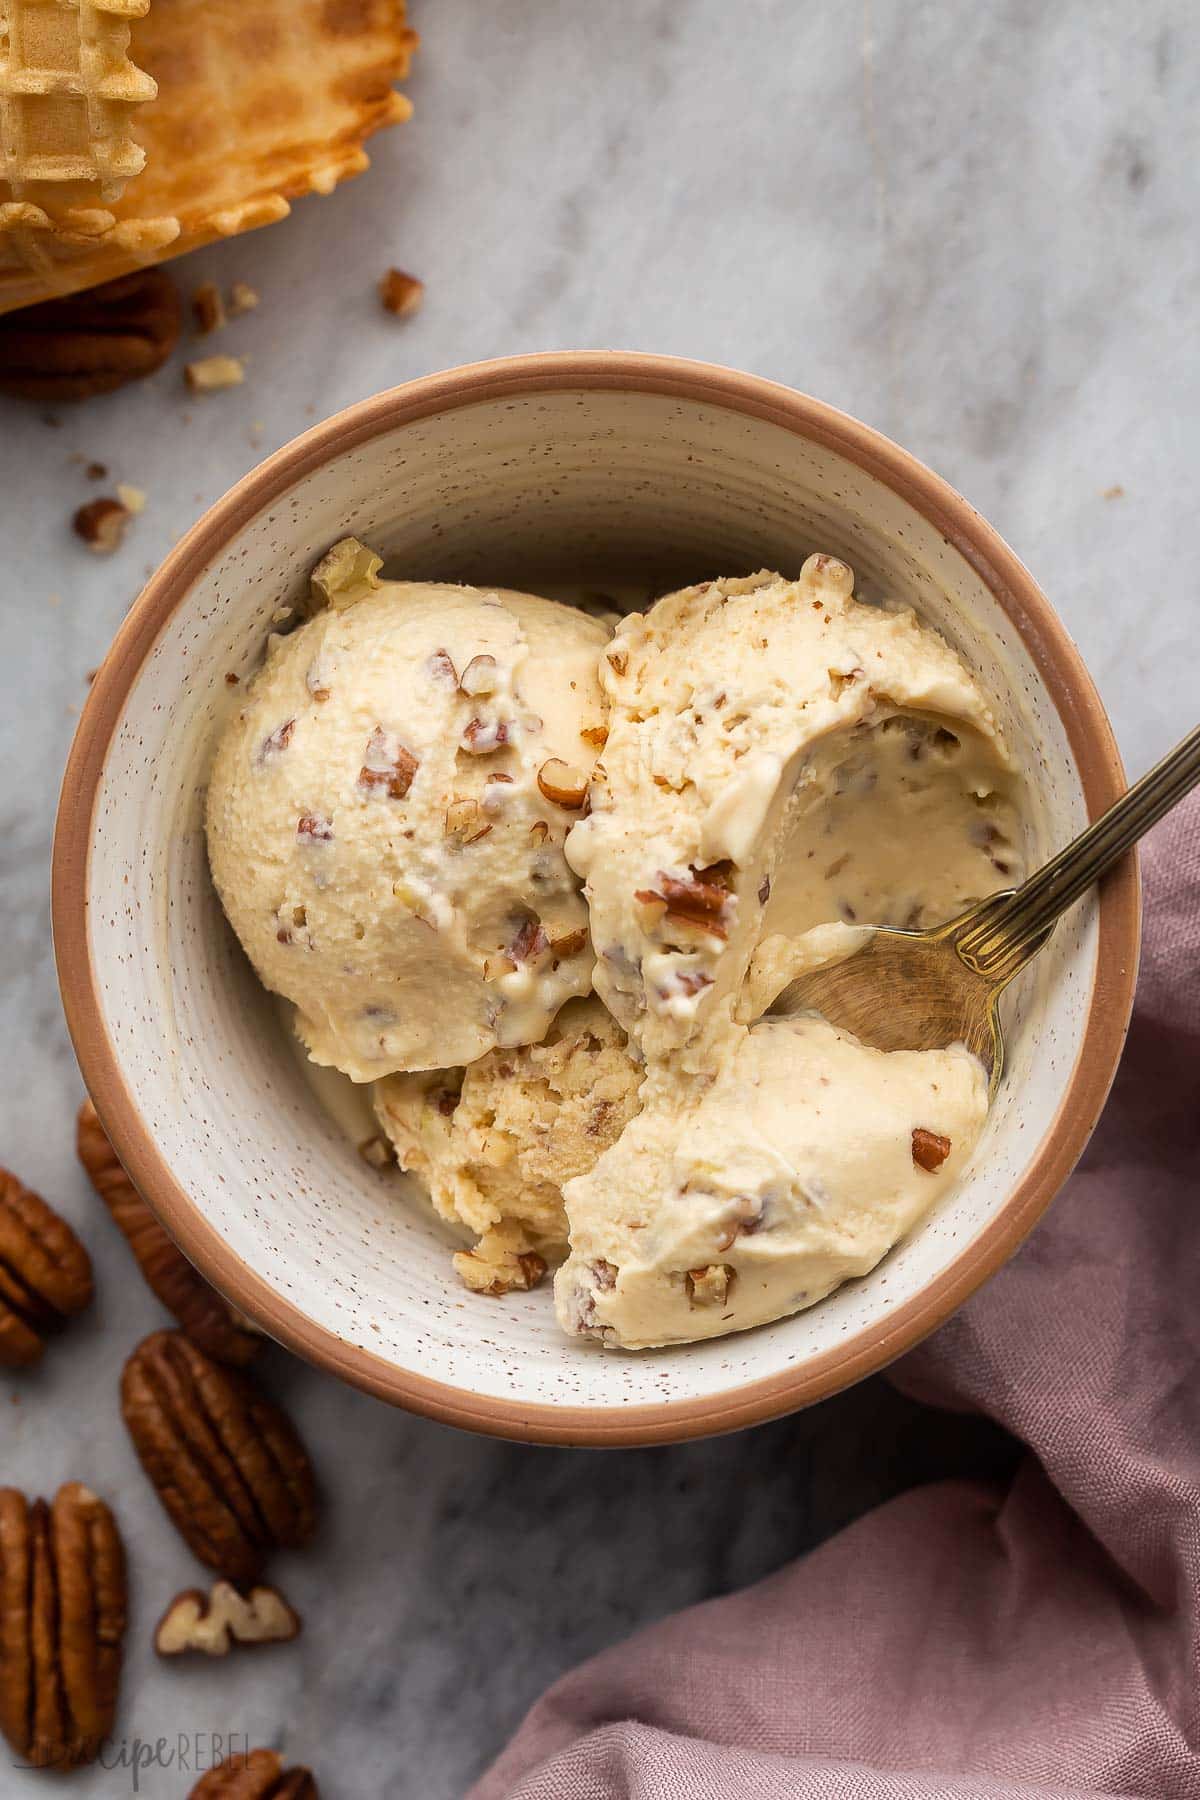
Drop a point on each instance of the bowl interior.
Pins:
(606, 489)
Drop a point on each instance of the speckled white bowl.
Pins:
(606, 469)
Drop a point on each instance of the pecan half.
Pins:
(259, 1775)
(92, 342)
(62, 1622)
(226, 1462)
(45, 1273)
(214, 1623)
(207, 1318)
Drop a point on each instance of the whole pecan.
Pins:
(62, 1621)
(227, 1463)
(260, 1775)
(45, 1273)
(92, 342)
(207, 1318)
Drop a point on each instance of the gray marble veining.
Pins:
(974, 227)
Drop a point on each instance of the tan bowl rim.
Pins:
(1045, 638)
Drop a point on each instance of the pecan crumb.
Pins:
(101, 524)
(562, 783)
(401, 294)
(208, 308)
(929, 1149)
(376, 1151)
(710, 1286)
(387, 765)
(242, 298)
(210, 373)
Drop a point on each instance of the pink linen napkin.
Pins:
(965, 1641)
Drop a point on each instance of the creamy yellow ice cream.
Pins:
(728, 1203)
(495, 1143)
(387, 810)
(784, 767)
(779, 755)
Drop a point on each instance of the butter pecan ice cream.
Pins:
(495, 1143)
(387, 810)
(785, 767)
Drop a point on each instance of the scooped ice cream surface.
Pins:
(496, 1142)
(386, 815)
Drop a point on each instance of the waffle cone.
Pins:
(209, 118)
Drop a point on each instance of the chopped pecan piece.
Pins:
(62, 1622)
(211, 373)
(208, 308)
(480, 675)
(562, 783)
(597, 735)
(258, 1775)
(101, 524)
(45, 1273)
(90, 343)
(929, 1149)
(529, 940)
(388, 767)
(214, 1623)
(441, 669)
(276, 742)
(570, 944)
(702, 900)
(226, 1462)
(483, 736)
(377, 1152)
(207, 1318)
(400, 293)
(710, 1286)
(311, 828)
(242, 298)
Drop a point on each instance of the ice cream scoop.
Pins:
(777, 753)
(739, 1199)
(386, 815)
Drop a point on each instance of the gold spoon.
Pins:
(922, 990)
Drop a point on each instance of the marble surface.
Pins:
(974, 228)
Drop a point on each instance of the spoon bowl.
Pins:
(924, 990)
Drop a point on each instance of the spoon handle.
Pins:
(1004, 935)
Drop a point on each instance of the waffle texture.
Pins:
(132, 131)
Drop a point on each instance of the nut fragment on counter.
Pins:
(400, 293)
(45, 1273)
(929, 1149)
(226, 1462)
(90, 343)
(255, 1775)
(242, 298)
(214, 1623)
(208, 374)
(208, 308)
(63, 1594)
(207, 1318)
(101, 524)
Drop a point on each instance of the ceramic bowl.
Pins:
(620, 472)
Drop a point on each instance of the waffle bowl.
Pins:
(134, 130)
